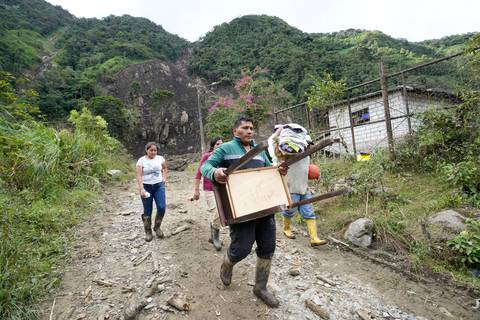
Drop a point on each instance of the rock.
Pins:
(171, 206)
(381, 191)
(445, 225)
(446, 312)
(149, 306)
(355, 176)
(359, 232)
(294, 272)
(449, 219)
(177, 164)
(114, 172)
(339, 186)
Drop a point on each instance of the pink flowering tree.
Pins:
(257, 95)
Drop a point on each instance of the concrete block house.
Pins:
(368, 117)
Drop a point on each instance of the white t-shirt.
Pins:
(152, 169)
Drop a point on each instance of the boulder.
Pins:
(360, 232)
(114, 172)
(177, 164)
(445, 225)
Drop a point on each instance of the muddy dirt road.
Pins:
(112, 268)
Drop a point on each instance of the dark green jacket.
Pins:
(227, 153)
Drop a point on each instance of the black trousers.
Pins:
(243, 235)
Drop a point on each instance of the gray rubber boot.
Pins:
(261, 278)
(158, 223)
(226, 270)
(147, 224)
(215, 236)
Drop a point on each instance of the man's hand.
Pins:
(220, 175)
(283, 170)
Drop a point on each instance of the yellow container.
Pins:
(363, 157)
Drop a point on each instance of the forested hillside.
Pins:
(65, 58)
(25, 26)
(291, 54)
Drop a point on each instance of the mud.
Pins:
(112, 268)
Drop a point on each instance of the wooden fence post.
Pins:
(386, 106)
(352, 129)
(405, 101)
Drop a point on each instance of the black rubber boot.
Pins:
(215, 238)
(261, 278)
(158, 223)
(226, 270)
(147, 224)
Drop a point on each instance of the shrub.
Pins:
(323, 92)
(368, 175)
(448, 142)
(257, 95)
(46, 178)
(220, 122)
(467, 243)
(119, 119)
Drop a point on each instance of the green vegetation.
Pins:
(20, 49)
(120, 119)
(399, 202)
(291, 55)
(36, 15)
(322, 93)
(84, 52)
(448, 142)
(90, 42)
(257, 96)
(467, 243)
(48, 179)
(159, 94)
(436, 168)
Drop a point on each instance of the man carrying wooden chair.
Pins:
(243, 235)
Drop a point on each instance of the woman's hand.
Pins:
(142, 192)
(196, 195)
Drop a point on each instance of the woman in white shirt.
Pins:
(151, 177)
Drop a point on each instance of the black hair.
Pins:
(213, 141)
(241, 119)
(149, 144)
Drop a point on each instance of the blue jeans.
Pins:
(157, 193)
(306, 211)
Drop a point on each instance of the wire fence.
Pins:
(377, 113)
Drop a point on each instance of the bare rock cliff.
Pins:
(165, 99)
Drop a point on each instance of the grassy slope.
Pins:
(397, 216)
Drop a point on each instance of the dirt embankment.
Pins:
(112, 268)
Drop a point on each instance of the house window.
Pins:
(360, 116)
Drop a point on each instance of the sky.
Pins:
(414, 20)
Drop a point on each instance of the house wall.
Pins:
(371, 136)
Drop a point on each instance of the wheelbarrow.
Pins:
(254, 193)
